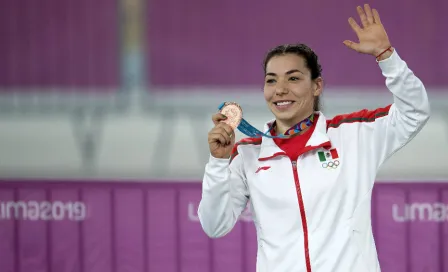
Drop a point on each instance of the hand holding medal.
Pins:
(221, 138)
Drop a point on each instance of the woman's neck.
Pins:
(283, 125)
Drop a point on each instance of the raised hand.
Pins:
(372, 36)
(221, 138)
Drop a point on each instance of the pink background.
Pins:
(151, 226)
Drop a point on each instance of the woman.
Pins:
(311, 193)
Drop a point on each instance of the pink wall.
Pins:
(140, 227)
(198, 42)
(60, 44)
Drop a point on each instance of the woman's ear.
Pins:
(318, 86)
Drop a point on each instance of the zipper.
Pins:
(302, 215)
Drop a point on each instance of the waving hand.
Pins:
(372, 36)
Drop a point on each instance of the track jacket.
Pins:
(314, 214)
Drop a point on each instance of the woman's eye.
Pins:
(270, 81)
(294, 78)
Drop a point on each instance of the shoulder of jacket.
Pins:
(362, 116)
(244, 142)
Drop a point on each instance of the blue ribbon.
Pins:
(249, 130)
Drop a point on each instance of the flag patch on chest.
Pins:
(332, 154)
(329, 158)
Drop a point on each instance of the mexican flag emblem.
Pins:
(329, 155)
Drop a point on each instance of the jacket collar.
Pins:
(319, 138)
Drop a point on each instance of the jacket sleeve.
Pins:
(406, 116)
(224, 195)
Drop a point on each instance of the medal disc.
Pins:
(234, 114)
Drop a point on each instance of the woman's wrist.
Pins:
(383, 53)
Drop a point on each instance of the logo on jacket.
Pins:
(262, 168)
(329, 158)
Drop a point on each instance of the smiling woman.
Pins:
(293, 84)
(310, 192)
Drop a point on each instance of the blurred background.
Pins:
(105, 108)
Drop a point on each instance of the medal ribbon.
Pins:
(247, 129)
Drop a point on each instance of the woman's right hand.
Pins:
(221, 138)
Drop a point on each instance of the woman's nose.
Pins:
(281, 88)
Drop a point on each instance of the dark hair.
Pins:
(300, 49)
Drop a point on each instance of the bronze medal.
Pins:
(234, 114)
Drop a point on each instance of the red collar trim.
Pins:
(326, 145)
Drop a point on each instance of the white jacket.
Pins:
(310, 216)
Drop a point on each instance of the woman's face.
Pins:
(289, 90)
